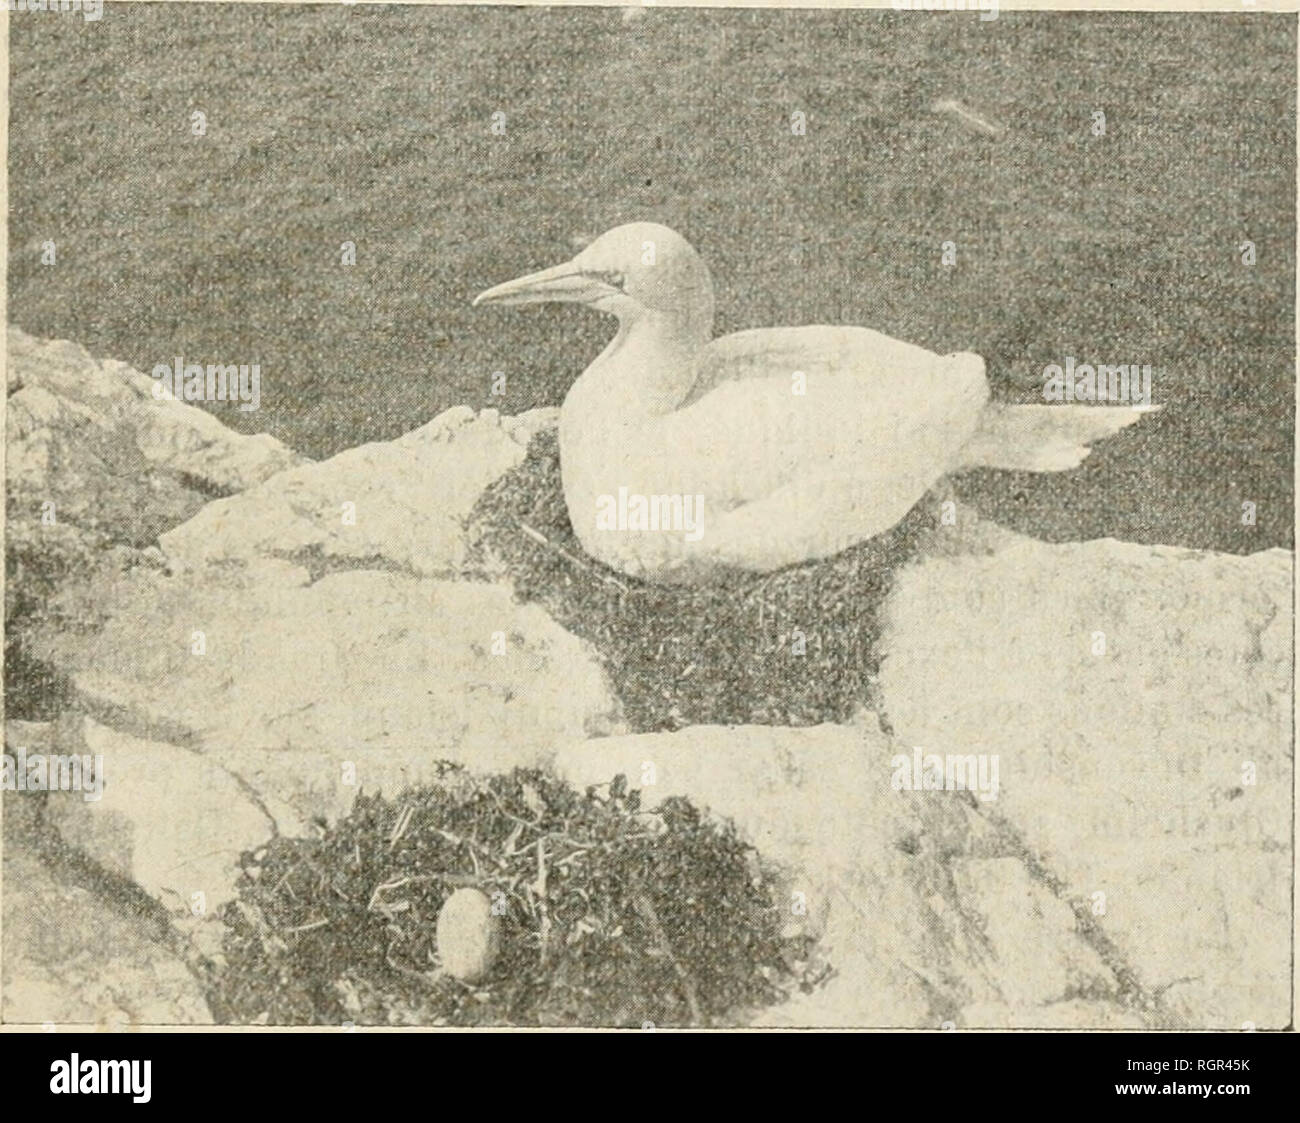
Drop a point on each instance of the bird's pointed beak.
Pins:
(565, 282)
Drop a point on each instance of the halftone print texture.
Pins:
(648, 518)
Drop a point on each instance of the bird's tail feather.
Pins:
(1044, 438)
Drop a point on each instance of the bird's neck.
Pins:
(646, 371)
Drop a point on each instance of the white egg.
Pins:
(469, 936)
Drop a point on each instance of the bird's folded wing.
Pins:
(773, 352)
(794, 405)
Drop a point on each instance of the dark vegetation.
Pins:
(612, 914)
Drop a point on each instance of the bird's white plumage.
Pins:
(782, 405)
(797, 442)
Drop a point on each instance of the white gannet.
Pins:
(681, 454)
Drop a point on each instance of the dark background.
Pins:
(334, 123)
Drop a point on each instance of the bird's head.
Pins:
(636, 270)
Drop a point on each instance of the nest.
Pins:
(796, 647)
(609, 915)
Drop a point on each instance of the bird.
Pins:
(683, 456)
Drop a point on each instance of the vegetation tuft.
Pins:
(610, 915)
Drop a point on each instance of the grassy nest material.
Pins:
(796, 647)
(609, 915)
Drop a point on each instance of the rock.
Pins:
(234, 691)
(33, 736)
(310, 691)
(1132, 693)
(299, 640)
(71, 959)
(88, 437)
(172, 820)
(1022, 923)
(96, 469)
(919, 905)
(400, 504)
